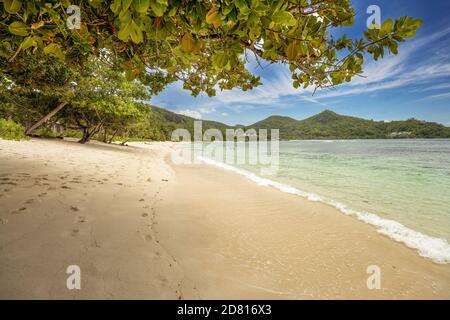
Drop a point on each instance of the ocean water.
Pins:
(401, 187)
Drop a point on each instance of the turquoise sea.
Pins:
(402, 187)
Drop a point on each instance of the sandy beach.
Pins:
(140, 227)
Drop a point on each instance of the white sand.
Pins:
(203, 233)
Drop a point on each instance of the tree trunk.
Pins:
(45, 118)
(85, 137)
(113, 136)
(88, 135)
(105, 135)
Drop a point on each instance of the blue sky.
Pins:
(415, 83)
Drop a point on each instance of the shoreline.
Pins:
(142, 228)
(267, 244)
(434, 249)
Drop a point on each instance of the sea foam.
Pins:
(435, 249)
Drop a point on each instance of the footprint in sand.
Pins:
(148, 237)
(73, 208)
(141, 200)
(42, 194)
(29, 201)
(20, 210)
(74, 232)
(162, 279)
(22, 174)
(81, 219)
(65, 187)
(9, 183)
(145, 215)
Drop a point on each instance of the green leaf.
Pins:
(393, 47)
(284, 17)
(126, 4)
(187, 43)
(124, 32)
(387, 26)
(158, 8)
(141, 6)
(292, 50)
(115, 6)
(12, 6)
(125, 16)
(136, 32)
(130, 75)
(54, 49)
(220, 60)
(19, 28)
(28, 42)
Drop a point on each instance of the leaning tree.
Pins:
(103, 100)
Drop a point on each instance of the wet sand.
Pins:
(235, 239)
(140, 227)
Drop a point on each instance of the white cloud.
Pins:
(205, 109)
(269, 93)
(389, 73)
(190, 113)
(394, 71)
(437, 96)
(437, 87)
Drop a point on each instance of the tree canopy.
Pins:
(96, 76)
(203, 43)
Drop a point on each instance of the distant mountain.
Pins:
(325, 125)
(330, 125)
(162, 122)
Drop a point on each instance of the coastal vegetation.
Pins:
(93, 72)
(11, 130)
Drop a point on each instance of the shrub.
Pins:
(11, 130)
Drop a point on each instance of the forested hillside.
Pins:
(330, 125)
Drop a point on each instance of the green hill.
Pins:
(330, 125)
(161, 123)
(325, 125)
